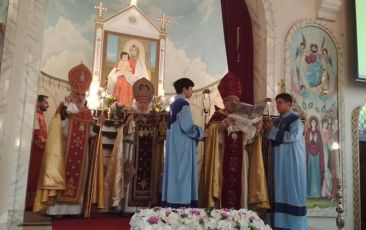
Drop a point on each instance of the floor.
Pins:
(15, 227)
(32, 222)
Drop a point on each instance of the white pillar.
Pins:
(20, 70)
(161, 66)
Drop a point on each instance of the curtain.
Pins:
(239, 44)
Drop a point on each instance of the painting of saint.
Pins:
(118, 82)
(312, 71)
(314, 158)
(136, 60)
(326, 132)
(313, 66)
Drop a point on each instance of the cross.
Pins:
(282, 86)
(163, 21)
(100, 9)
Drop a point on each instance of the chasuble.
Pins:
(227, 179)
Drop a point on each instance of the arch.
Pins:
(356, 168)
(325, 100)
(262, 20)
(357, 114)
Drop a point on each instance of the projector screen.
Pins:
(361, 38)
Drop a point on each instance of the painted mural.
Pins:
(3, 10)
(195, 42)
(3, 14)
(313, 77)
(133, 62)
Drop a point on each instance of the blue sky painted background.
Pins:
(3, 10)
(195, 44)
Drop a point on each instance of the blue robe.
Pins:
(314, 72)
(180, 188)
(289, 173)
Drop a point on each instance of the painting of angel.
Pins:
(312, 71)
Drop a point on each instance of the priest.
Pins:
(133, 174)
(65, 168)
(227, 179)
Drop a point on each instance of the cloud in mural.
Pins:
(88, 25)
(178, 65)
(64, 47)
(61, 5)
(206, 8)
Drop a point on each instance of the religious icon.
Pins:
(128, 58)
(313, 81)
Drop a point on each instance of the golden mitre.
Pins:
(80, 78)
(143, 89)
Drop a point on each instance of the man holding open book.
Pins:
(227, 179)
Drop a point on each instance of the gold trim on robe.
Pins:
(210, 178)
(52, 174)
(114, 180)
(257, 187)
(95, 182)
(210, 182)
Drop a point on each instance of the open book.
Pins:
(247, 110)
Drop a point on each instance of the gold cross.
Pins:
(282, 86)
(163, 21)
(100, 9)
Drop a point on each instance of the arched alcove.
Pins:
(358, 143)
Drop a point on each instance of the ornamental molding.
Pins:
(328, 9)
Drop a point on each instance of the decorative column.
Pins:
(163, 21)
(18, 91)
(93, 100)
(328, 9)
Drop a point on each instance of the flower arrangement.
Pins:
(160, 103)
(107, 99)
(189, 218)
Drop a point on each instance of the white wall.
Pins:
(285, 13)
(354, 96)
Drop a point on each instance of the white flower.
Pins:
(186, 219)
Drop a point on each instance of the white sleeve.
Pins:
(72, 108)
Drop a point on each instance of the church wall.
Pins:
(18, 89)
(354, 96)
(282, 23)
(285, 14)
(353, 93)
(284, 18)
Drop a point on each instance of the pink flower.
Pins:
(167, 213)
(153, 220)
(252, 218)
(196, 212)
(224, 215)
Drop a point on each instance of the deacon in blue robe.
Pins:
(288, 144)
(180, 186)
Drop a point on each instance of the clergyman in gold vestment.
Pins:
(70, 179)
(230, 176)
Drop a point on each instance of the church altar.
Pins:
(187, 218)
(147, 154)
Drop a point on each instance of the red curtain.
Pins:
(239, 44)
